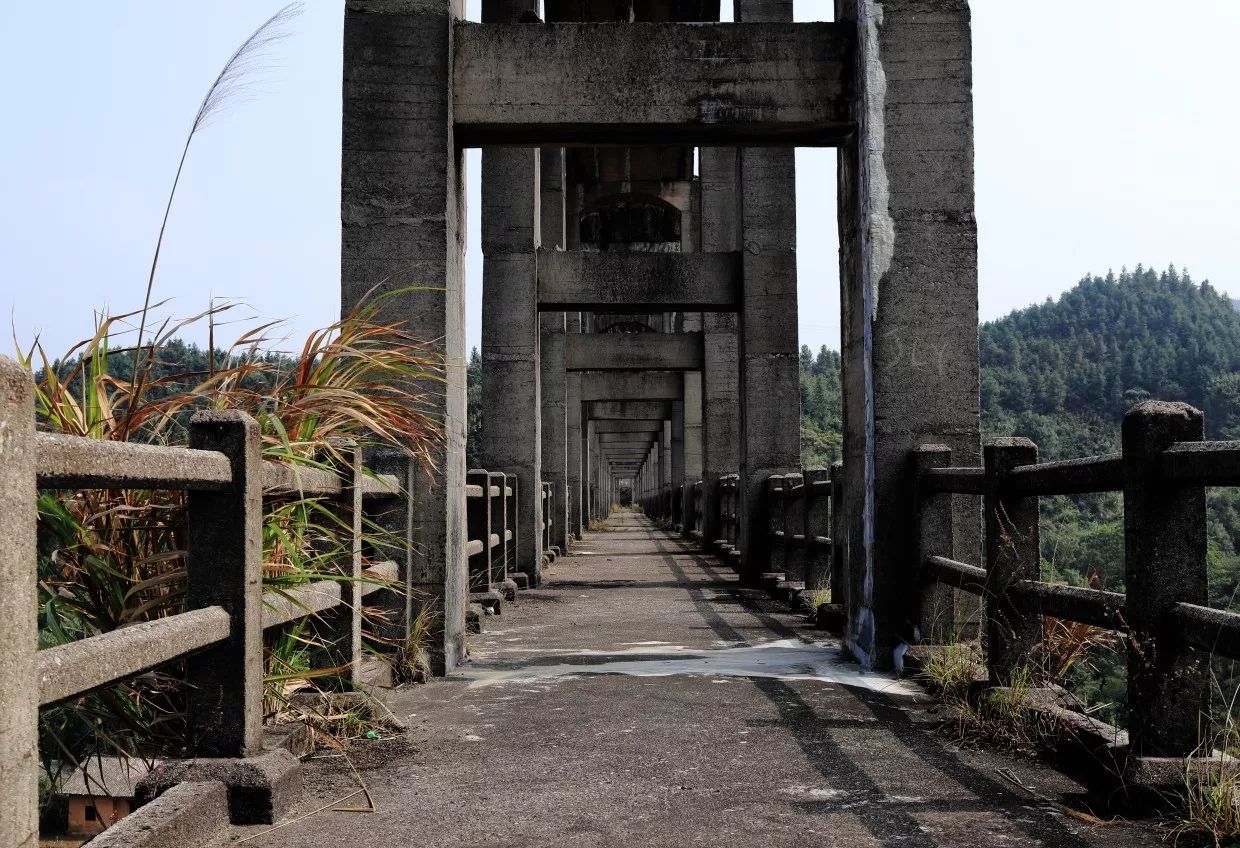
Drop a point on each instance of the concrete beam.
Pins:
(627, 438)
(628, 427)
(630, 410)
(634, 352)
(702, 282)
(630, 385)
(634, 83)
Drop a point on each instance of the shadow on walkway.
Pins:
(643, 697)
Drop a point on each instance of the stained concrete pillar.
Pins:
(511, 395)
(678, 456)
(692, 445)
(720, 397)
(402, 216)
(572, 387)
(553, 379)
(770, 389)
(908, 275)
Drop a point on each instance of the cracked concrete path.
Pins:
(641, 697)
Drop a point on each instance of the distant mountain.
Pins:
(1235, 303)
(1065, 371)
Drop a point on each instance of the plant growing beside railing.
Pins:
(112, 557)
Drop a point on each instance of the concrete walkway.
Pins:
(564, 731)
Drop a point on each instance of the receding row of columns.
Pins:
(908, 266)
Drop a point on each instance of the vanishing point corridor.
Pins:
(641, 697)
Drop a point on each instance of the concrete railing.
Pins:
(1163, 471)
(491, 525)
(220, 634)
(799, 511)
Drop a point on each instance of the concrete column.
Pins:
(554, 390)
(553, 380)
(667, 468)
(402, 214)
(908, 272)
(511, 395)
(720, 398)
(573, 394)
(769, 354)
(693, 444)
(678, 451)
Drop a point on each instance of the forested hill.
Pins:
(1064, 372)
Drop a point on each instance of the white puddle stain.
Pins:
(786, 659)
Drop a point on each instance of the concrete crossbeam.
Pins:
(628, 427)
(630, 385)
(634, 83)
(634, 352)
(639, 281)
(627, 438)
(629, 410)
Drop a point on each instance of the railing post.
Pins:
(224, 565)
(1165, 564)
(19, 604)
(351, 499)
(839, 576)
(510, 522)
(817, 524)
(395, 517)
(478, 524)
(775, 524)
(1012, 555)
(935, 616)
(795, 544)
(497, 516)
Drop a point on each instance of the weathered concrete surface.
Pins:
(634, 352)
(908, 270)
(561, 733)
(638, 281)
(636, 410)
(640, 83)
(186, 815)
(511, 394)
(402, 214)
(19, 697)
(628, 385)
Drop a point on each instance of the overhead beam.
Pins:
(626, 438)
(601, 427)
(633, 352)
(629, 410)
(643, 83)
(631, 385)
(598, 280)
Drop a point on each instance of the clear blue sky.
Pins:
(1105, 136)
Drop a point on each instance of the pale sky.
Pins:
(1105, 136)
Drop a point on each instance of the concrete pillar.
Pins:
(692, 431)
(19, 604)
(908, 271)
(553, 379)
(770, 390)
(666, 468)
(554, 391)
(678, 454)
(402, 216)
(573, 394)
(720, 398)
